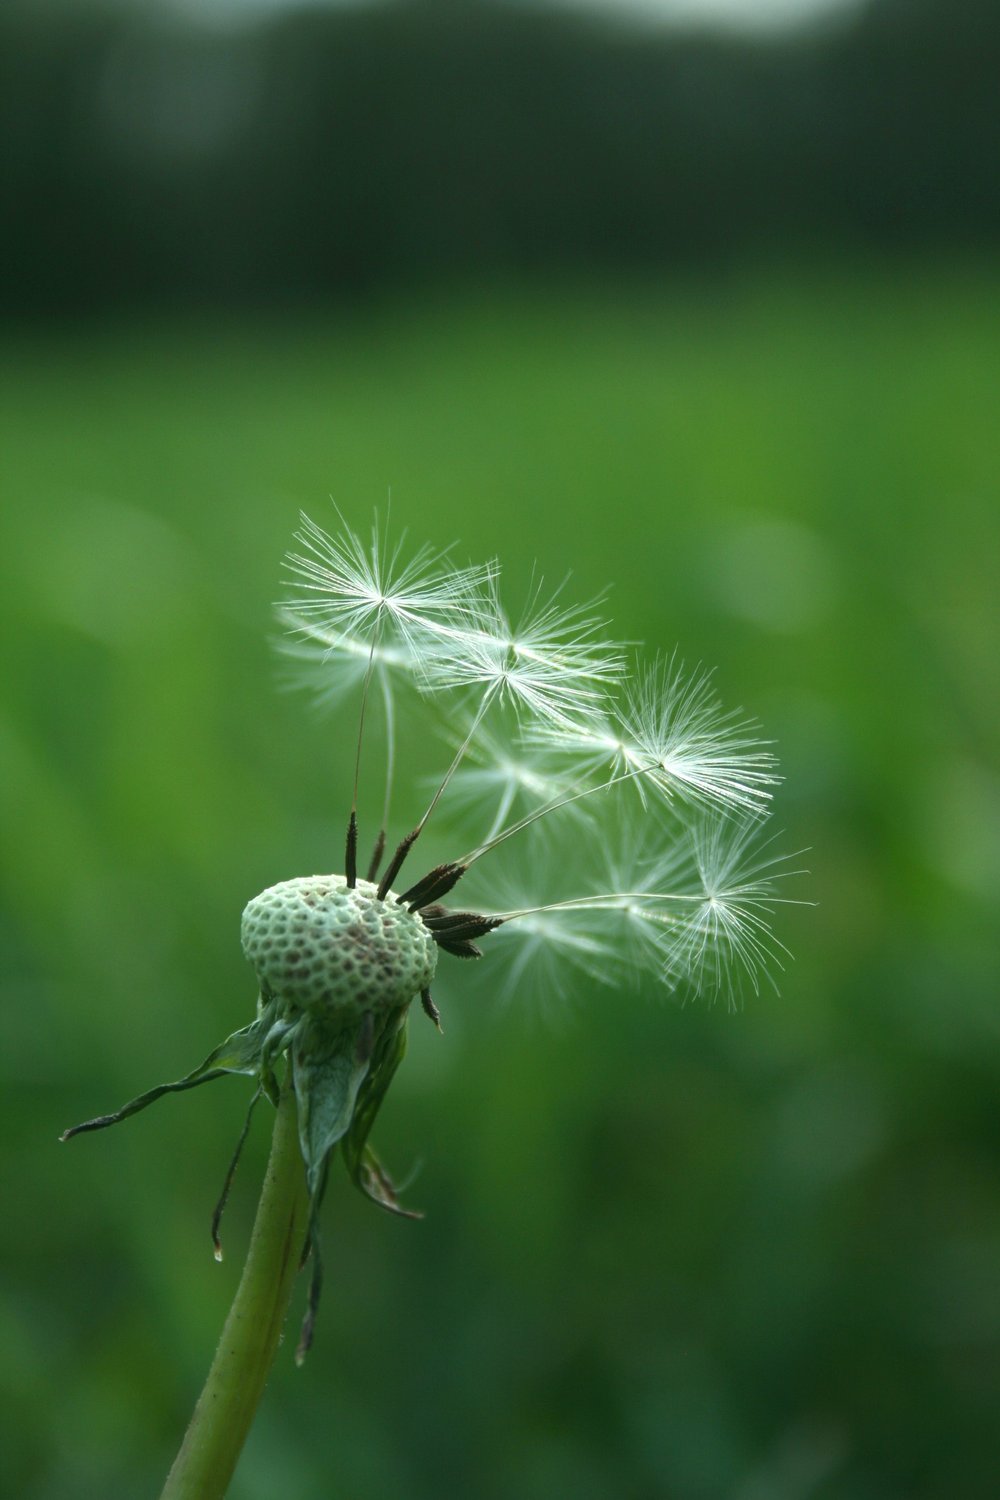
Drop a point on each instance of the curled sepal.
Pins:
(363, 1165)
(239, 1053)
(374, 1181)
(234, 1162)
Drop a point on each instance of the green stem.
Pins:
(227, 1405)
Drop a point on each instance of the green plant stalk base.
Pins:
(222, 1418)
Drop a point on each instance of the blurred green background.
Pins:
(669, 1251)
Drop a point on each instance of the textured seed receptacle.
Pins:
(334, 951)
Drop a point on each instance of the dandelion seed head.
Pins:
(336, 953)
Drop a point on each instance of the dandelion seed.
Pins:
(347, 592)
(669, 735)
(697, 915)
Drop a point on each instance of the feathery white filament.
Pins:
(347, 589)
(672, 736)
(686, 899)
(552, 666)
(332, 664)
(675, 727)
(711, 922)
(504, 777)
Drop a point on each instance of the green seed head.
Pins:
(337, 951)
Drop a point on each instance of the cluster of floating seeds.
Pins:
(334, 950)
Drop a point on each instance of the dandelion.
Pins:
(569, 873)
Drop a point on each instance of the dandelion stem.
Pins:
(220, 1207)
(222, 1418)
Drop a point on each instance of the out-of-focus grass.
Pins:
(668, 1252)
